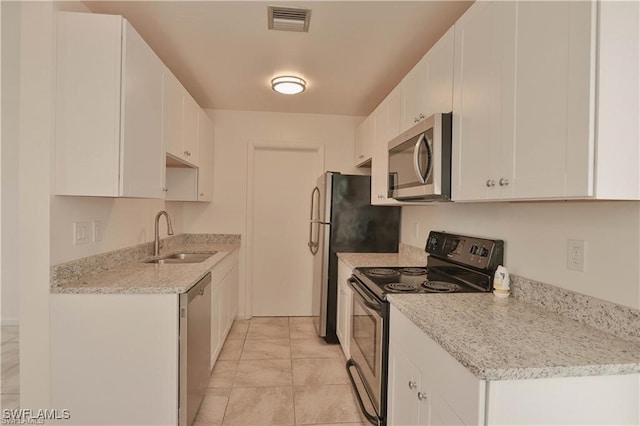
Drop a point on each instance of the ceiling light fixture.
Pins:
(288, 85)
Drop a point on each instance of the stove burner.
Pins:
(401, 288)
(440, 287)
(382, 272)
(413, 271)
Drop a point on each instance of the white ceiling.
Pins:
(353, 55)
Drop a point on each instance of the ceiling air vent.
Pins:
(289, 19)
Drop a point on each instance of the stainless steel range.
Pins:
(456, 264)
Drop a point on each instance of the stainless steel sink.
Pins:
(183, 258)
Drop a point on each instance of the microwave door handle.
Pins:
(423, 177)
(313, 246)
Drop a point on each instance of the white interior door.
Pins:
(281, 179)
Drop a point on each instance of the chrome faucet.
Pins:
(156, 244)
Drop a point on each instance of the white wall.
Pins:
(233, 131)
(536, 234)
(10, 146)
(126, 222)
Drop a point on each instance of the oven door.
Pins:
(369, 348)
(420, 161)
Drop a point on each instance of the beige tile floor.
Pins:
(275, 371)
(271, 371)
(10, 372)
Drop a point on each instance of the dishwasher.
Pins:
(195, 348)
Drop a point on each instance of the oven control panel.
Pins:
(476, 252)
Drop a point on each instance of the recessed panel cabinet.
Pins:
(364, 141)
(428, 386)
(428, 88)
(205, 157)
(109, 107)
(387, 118)
(531, 80)
(180, 121)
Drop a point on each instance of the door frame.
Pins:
(253, 147)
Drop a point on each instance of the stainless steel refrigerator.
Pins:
(343, 220)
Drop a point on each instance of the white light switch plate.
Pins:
(81, 233)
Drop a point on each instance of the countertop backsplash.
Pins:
(621, 321)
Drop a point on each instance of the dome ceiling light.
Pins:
(288, 85)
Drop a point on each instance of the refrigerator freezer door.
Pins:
(321, 259)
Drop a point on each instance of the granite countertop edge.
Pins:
(516, 363)
(489, 368)
(138, 277)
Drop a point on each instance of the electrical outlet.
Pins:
(98, 227)
(81, 233)
(575, 255)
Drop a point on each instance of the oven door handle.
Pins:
(368, 301)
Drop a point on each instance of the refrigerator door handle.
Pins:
(313, 245)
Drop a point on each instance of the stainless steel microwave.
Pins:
(420, 161)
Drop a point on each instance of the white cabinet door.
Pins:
(414, 95)
(216, 322)
(205, 157)
(478, 118)
(439, 83)
(364, 141)
(190, 129)
(552, 107)
(404, 408)
(442, 391)
(387, 119)
(109, 109)
(173, 114)
(345, 307)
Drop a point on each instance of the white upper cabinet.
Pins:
(364, 141)
(414, 95)
(109, 107)
(181, 121)
(387, 119)
(531, 81)
(478, 114)
(428, 88)
(205, 157)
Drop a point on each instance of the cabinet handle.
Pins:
(380, 197)
(491, 183)
(201, 194)
(362, 156)
(412, 384)
(504, 182)
(422, 396)
(416, 119)
(421, 116)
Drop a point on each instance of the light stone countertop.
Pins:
(507, 339)
(147, 278)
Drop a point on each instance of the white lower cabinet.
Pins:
(224, 301)
(114, 358)
(345, 307)
(427, 386)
